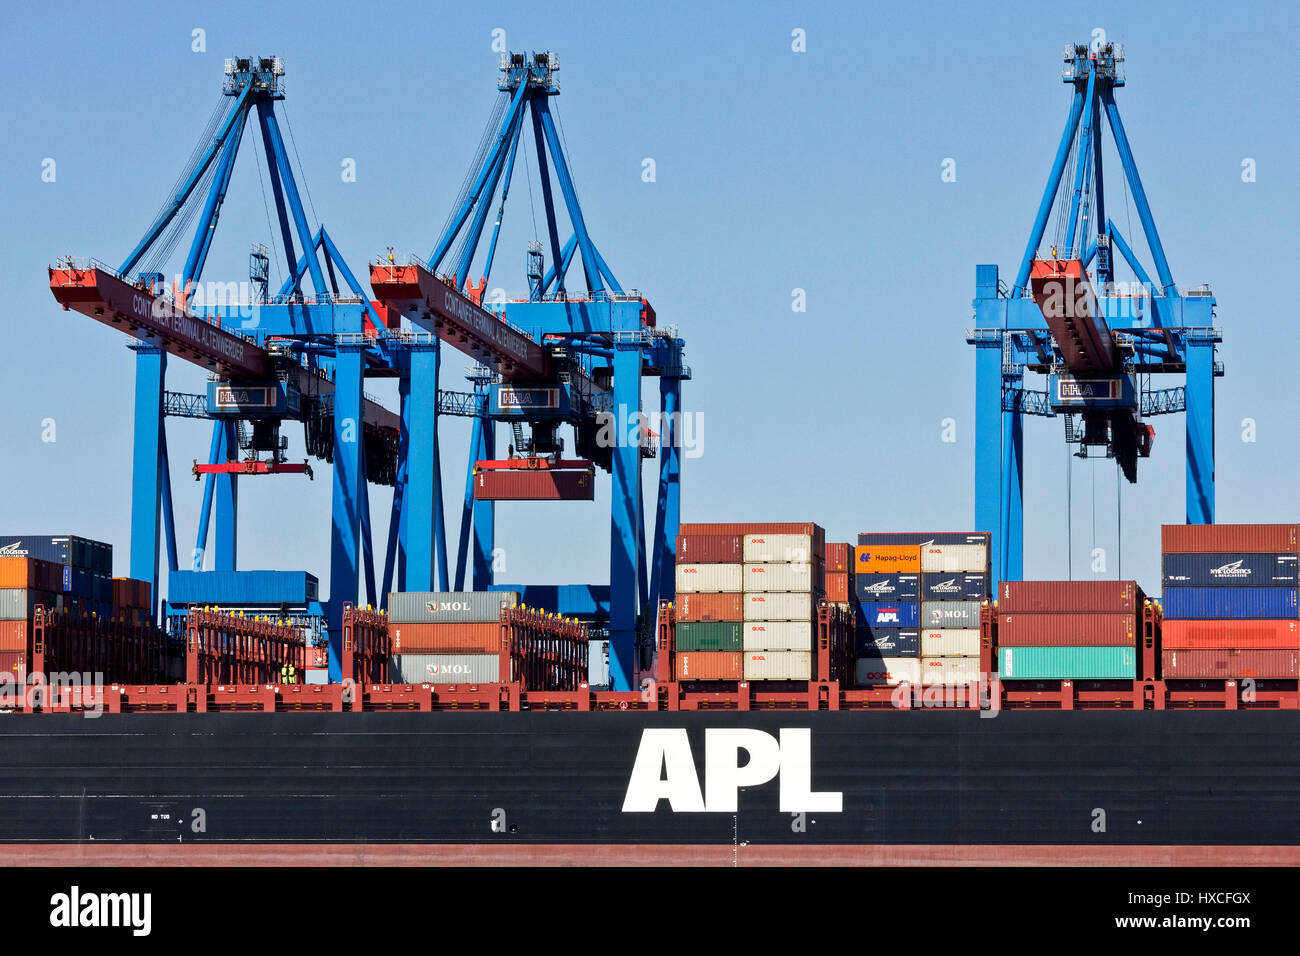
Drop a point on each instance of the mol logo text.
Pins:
(436, 606)
(447, 669)
(665, 770)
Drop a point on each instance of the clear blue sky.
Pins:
(776, 170)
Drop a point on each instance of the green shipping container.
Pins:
(709, 636)
(1078, 663)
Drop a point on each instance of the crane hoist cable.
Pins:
(302, 175)
(480, 155)
(270, 229)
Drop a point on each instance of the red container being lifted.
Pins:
(1224, 635)
(1200, 664)
(709, 549)
(1021, 597)
(1067, 630)
(1223, 538)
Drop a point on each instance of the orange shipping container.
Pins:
(31, 573)
(837, 588)
(710, 607)
(13, 635)
(446, 638)
(710, 665)
(887, 558)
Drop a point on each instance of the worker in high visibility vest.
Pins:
(288, 674)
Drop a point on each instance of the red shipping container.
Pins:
(429, 638)
(839, 557)
(709, 549)
(1066, 630)
(711, 665)
(13, 664)
(1197, 664)
(837, 588)
(13, 635)
(1217, 538)
(710, 607)
(1222, 635)
(763, 527)
(1019, 597)
(496, 484)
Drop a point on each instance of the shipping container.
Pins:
(711, 607)
(64, 549)
(13, 666)
(777, 636)
(449, 607)
(838, 557)
(887, 642)
(922, 538)
(791, 606)
(1241, 568)
(709, 549)
(963, 586)
(778, 665)
(1061, 663)
(598, 665)
(17, 604)
(446, 638)
(1220, 538)
(887, 587)
(445, 668)
(947, 558)
(33, 573)
(1218, 635)
(708, 636)
(541, 484)
(242, 588)
(950, 642)
(1066, 630)
(1239, 663)
(1019, 597)
(710, 665)
(1230, 602)
(949, 670)
(709, 578)
(887, 559)
(886, 671)
(14, 635)
(778, 577)
(778, 548)
(837, 588)
(950, 613)
(873, 614)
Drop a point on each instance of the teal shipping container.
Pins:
(1077, 663)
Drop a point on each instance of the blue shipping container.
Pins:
(878, 614)
(242, 588)
(887, 642)
(66, 549)
(1238, 570)
(888, 587)
(1230, 603)
(973, 586)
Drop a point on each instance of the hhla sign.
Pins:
(665, 770)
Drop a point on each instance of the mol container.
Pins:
(887, 642)
(709, 665)
(767, 606)
(1199, 603)
(778, 665)
(1021, 597)
(1072, 663)
(709, 549)
(777, 548)
(445, 668)
(1238, 568)
(886, 671)
(1236, 663)
(887, 587)
(1220, 538)
(778, 635)
(709, 578)
(708, 636)
(1066, 630)
(1224, 635)
(711, 607)
(950, 642)
(448, 607)
(949, 670)
(950, 558)
(778, 577)
(950, 613)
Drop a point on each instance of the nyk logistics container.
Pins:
(1238, 663)
(1220, 538)
(448, 607)
(778, 665)
(1240, 568)
(708, 636)
(446, 638)
(873, 614)
(1019, 597)
(66, 549)
(1222, 635)
(709, 549)
(709, 578)
(709, 665)
(950, 613)
(711, 607)
(1230, 602)
(765, 548)
(886, 671)
(777, 636)
(1065, 630)
(778, 577)
(947, 558)
(887, 642)
(768, 606)
(950, 642)
(965, 586)
(949, 670)
(1067, 663)
(445, 669)
(887, 587)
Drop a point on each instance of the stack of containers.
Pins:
(954, 585)
(24, 583)
(1230, 601)
(710, 606)
(782, 588)
(839, 575)
(1069, 630)
(86, 586)
(447, 637)
(131, 600)
(887, 582)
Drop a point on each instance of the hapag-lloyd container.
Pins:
(708, 636)
(1245, 662)
(873, 614)
(949, 670)
(1019, 597)
(887, 642)
(887, 587)
(947, 558)
(774, 548)
(778, 635)
(950, 642)
(1067, 630)
(710, 665)
(778, 665)
(445, 669)
(963, 586)
(1221, 635)
(1200, 603)
(711, 607)
(887, 559)
(1218, 538)
(1240, 568)
(1060, 663)
(448, 607)
(709, 549)
(770, 606)
(445, 638)
(778, 577)
(709, 578)
(886, 671)
(950, 613)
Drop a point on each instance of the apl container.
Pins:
(709, 578)
(709, 549)
(708, 636)
(948, 558)
(887, 587)
(1018, 597)
(1060, 663)
(778, 577)
(887, 642)
(778, 665)
(886, 559)
(950, 642)
(776, 548)
(949, 670)
(1067, 630)
(1223, 635)
(449, 607)
(445, 638)
(768, 606)
(710, 607)
(886, 671)
(873, 614)
(950, 613)
(1246, 662)
(778, 636)
(964, 586)
(1230, 602)
(445, 668)
(1218, 538)
(1240, 568)
(709, 665)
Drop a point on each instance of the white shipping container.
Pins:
(777, 548)
(949, 558)
(778, 635)
(778, 577)
(887, 671)
(778, 665)
(949, 670)
(761, 606)
(444, 668)
(709, 578)
(950, 642)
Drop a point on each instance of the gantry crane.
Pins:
(1098, 341)
(557, 357)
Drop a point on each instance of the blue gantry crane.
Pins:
(1099, 342)
(556, 357)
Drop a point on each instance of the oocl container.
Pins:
(1240, 568)
(887, 642)
(708, 636)
(778, 635)
(1222, 635)
(778, 665)
(1059, 663)
(709, 578)
(948, 558)
(950, 642)
(709, 549)
(886, 671)
(887, 587)
(1241, 663)
(710, 607)
(1018, 597)
(1230, 602)
(709, 665)
(1217, 538)
(448, 607)
(778, 577)
(769, 548)
(767, 606)
(445, 668)
(1066, 630)
(950, 613)
(887, 559)
(949, 670)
